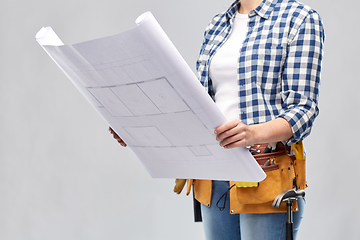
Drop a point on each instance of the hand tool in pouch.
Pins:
(289, 196)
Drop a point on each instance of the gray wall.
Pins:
(62, 176)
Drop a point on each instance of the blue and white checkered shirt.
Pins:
(279, 63)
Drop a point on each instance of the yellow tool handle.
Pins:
(247, 184)
(179, 185)
(298, 150)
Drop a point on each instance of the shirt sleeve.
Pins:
(301, 77)
(205, 51)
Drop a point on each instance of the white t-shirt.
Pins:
(223, 69)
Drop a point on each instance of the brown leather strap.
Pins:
(261, 158)
(259, 148)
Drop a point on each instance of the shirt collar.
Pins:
(263, 10)
(233, 9)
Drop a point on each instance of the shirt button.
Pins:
(232, 211)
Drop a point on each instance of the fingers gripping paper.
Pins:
(139, 83)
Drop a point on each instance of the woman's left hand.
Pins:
(234, 134)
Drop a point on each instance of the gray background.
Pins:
(62, 176)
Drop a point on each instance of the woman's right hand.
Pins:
(122, 143)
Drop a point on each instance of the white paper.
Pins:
(139, 83)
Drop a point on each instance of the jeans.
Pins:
(221, 225)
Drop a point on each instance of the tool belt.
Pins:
(284, 172)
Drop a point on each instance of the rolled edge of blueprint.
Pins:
(143, 17)
(47, 36)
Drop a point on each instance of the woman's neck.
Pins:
(248, 5)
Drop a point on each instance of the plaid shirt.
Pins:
(279, 63)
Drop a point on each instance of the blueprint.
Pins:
(142, 87)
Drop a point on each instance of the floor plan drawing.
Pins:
(142, 87)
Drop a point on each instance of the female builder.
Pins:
(260, 61)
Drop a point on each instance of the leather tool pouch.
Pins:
(300, 171)
(279, 177)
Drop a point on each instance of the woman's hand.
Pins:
(237, 134)
(122, 143)
(234, 134)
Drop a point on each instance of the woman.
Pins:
(260, 61)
